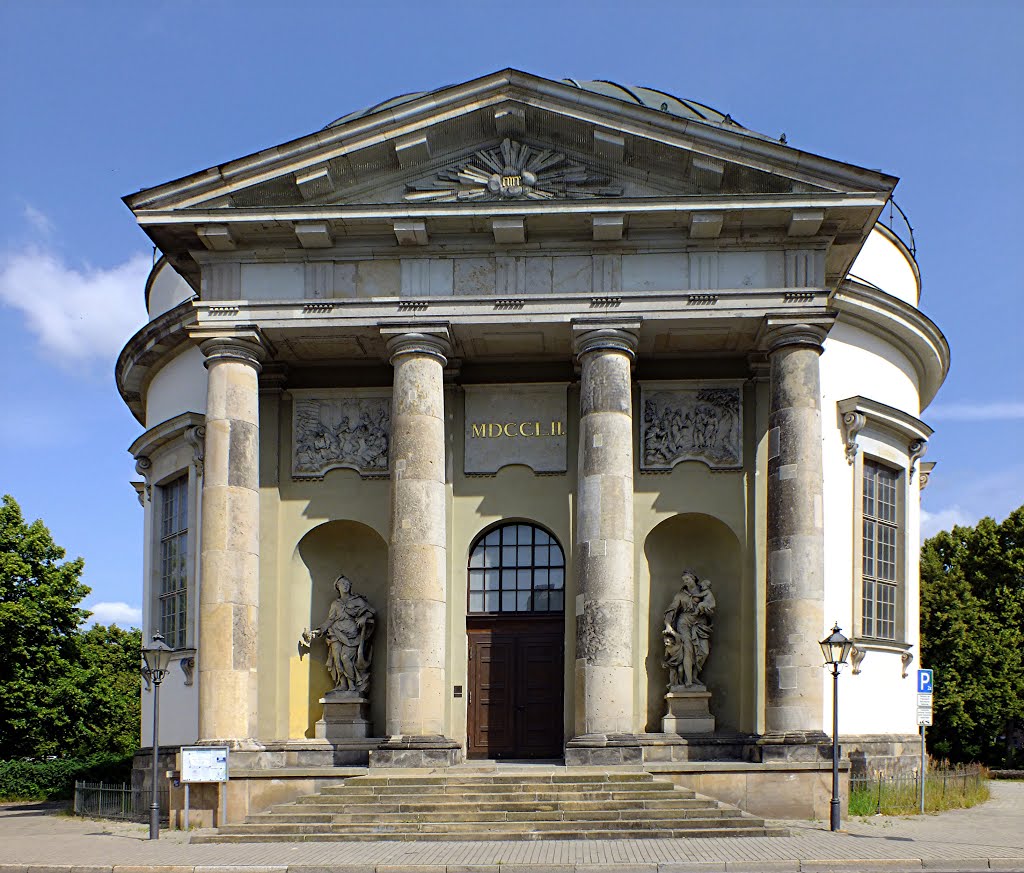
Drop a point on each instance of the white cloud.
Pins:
(39, 220)
(115, 612)
(1007, 411)
(79, 315)
(944, 519)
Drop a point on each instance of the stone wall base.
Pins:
(416, 752)
(603, 750)
(890, 753)
(778, 789)
(794, 746)
(665, 748)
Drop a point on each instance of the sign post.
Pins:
(925, 686)
(205, 764)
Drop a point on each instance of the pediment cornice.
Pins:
(488, 109)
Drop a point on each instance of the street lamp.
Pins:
(157, 659)
(835, 648)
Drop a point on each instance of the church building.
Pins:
(533, 419)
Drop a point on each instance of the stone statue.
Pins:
(347, 630)
(687, 632)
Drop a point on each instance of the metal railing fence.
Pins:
(900, 792)
(117, 801)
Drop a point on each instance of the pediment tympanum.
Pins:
(513, 171)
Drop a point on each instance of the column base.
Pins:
(603, 750)
(795, 746)
(417, 751)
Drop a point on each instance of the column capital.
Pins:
(603, 336)
(432, 340)
(778, 333)
(247, 346)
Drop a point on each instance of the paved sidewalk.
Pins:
(988, 837)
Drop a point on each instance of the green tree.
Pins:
(108, 666)
(972, 635)
(40, 595)
(64, 691)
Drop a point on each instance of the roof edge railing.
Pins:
(896, 220)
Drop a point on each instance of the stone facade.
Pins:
(376, 347)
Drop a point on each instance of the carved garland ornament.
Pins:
(340, 432)
(691, 424)
(513, 171)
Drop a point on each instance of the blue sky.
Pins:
(101, 99)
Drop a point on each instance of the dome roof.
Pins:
(641, 96)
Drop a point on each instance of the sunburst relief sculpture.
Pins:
(514, 171)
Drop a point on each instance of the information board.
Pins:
(204, 764)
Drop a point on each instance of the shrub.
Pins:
(55, 779)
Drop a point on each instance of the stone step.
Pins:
(628, 827)
(500, 778)
(502, 797)
(596, 814)
(454, 806)
(493, 834)
(354, 786)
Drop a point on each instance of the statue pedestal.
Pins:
(346, 716)
(688, 711)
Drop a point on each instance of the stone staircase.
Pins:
(561, 805)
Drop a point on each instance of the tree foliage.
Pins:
(63, 691)
(972, 635)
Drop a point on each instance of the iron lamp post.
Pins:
(836, 649)
(157, 659)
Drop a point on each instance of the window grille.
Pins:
(516, 568)
(173, 565)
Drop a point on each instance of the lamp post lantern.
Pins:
(835, 648)
(157, 659)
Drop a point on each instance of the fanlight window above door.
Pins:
(516, 568)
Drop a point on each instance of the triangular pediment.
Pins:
(555, 142)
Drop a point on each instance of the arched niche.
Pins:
(359, 552)
(711, 549)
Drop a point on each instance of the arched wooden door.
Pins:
(516, 627)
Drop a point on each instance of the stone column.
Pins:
(229, 584)
(417, 559)
(794, 613)
(604, 543)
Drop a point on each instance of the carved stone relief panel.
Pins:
(691, 422)
(332, 429)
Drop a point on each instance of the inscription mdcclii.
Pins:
(340, 431)
(512, 429)
(515, 424)
(690, 424)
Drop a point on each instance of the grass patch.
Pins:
(899, 794)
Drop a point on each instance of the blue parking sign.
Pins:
(925, 684)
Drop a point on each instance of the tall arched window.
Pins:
(516, 568)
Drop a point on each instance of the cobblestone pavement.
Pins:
(988, 837)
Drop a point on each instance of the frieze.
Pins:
(331, 431)
(514, 171)
(691, 423)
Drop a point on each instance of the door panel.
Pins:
(491, 681)
(539, 696)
